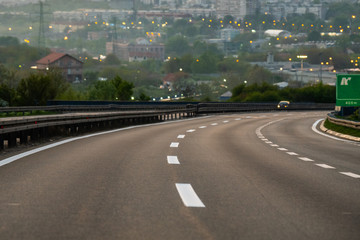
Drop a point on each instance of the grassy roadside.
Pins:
(342, 129)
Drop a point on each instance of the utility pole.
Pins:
(114, 36)
(135, 11)
(41, 39)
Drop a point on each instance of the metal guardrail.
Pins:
(343, 122)
(79, 118)
(145, 106)
(88, 108)
(242, 107)
(8, 125)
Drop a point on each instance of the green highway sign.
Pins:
(348, 90)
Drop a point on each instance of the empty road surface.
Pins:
(241, 176)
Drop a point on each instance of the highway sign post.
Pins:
(348, 90)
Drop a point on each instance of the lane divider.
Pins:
(188, 195)
(292, 153)
(174, 145)
(305, 159)
(325, 166)
(353, 175)
(173, 160)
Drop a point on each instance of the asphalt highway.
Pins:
(242, 176)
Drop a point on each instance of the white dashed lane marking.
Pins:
(191, 130)
(226, 121)
(214, 124)
(353, 175)
(292, 153)
(173, 160)
(188, 195)
(325, 166)
(306, 159)
(202, 127)
(181, 136)
(174, 144)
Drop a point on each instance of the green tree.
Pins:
(102, 90)
(37, 89)
(257, 74)
(123, 89)
(206, 63)
(185, 86)
(173, 65)
(112, 59)
(9, 41)
(7, 95)
(314, 36)
(177, 45)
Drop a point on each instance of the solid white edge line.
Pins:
(188, 195)
(350, 174)
(28, 153)
(326, 135)
(173, 160)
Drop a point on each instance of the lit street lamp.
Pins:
(302, 57)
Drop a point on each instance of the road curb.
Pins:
(340, 135)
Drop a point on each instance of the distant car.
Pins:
(283, 105)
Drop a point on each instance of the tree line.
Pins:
(264, 92)
(36, 88)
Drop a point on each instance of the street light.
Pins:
(302, 57)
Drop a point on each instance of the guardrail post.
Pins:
(34, 135)
(23, 137)
(12, 140)
(1, 141)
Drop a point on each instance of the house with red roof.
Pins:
(70, 66)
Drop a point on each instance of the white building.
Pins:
(277, 33)
(236, 8)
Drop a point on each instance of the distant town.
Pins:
(195, 41)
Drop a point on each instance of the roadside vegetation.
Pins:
(342, 129)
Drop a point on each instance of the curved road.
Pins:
(243, 176)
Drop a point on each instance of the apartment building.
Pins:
(236, 8)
